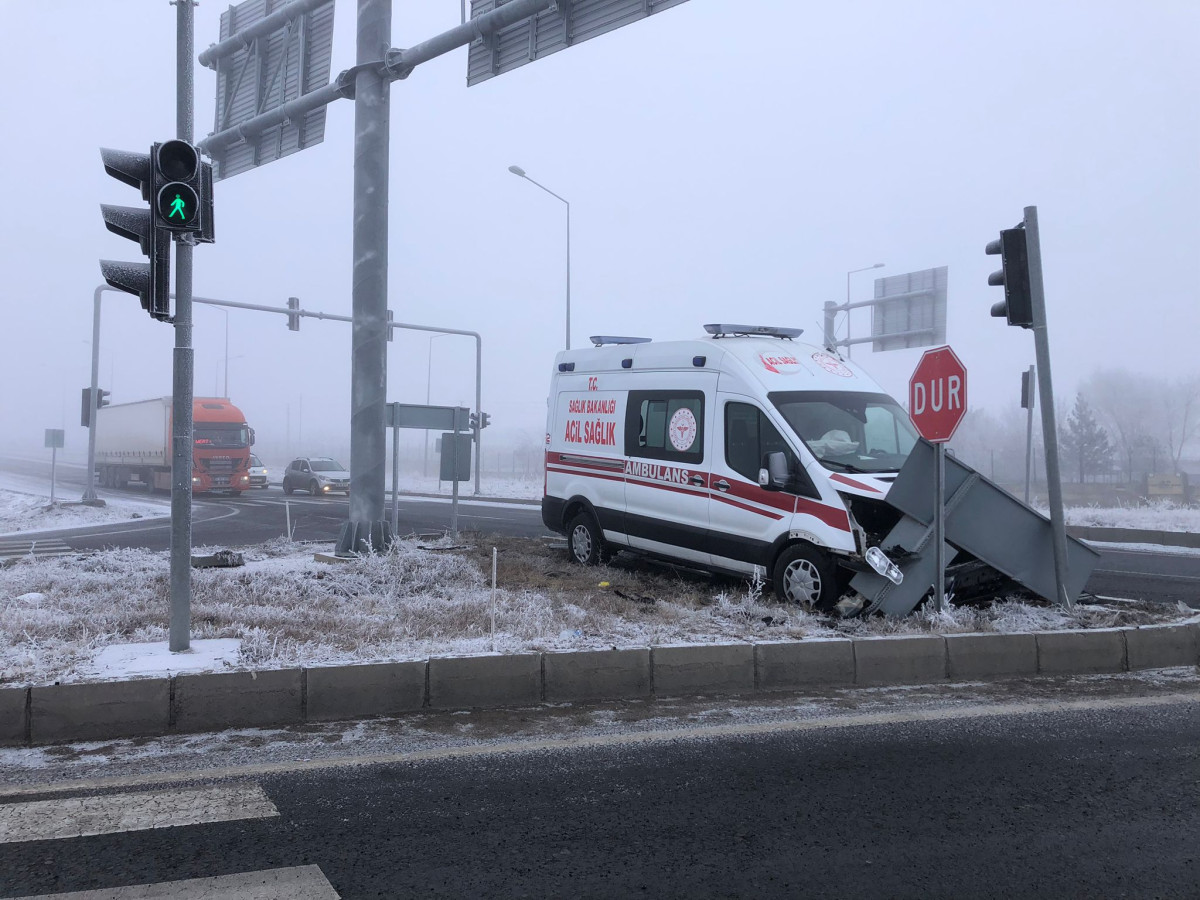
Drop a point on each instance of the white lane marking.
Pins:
(1158, 575)
(70, 817)
(518, 745)
(295, 883)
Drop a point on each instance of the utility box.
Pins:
(455, 456)
(1167, 487)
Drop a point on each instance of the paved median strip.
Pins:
(44, 820)
(63, 713)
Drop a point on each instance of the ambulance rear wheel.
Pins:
(585, 542)
(806, 576)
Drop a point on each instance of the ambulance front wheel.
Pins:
(585, 541)
(805, 575)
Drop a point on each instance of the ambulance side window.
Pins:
(749, 436)
(666, 425)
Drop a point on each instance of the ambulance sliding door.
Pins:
(667, 433)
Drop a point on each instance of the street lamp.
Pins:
(518, 171)
(848, 274)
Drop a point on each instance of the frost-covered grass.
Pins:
(431, 598)
(1159, 515)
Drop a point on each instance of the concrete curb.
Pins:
(187, 703)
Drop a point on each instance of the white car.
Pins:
(258, 472)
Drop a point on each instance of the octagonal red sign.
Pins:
(937, 394)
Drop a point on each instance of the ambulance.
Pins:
(746, 452)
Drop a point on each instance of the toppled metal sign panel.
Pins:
(271, 52)
(910, 310)
(565, 23)
(982, 519)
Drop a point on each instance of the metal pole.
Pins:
(395, 479)
(181, 418)
(454, 483)
(1041, 343)
(89, 492)
(568, 347)
(368, 389)
(830, 317)
(226, 381)
(53, 466)
(1029, 432)
(849, 349)
(478, 405)
(428, 382)
(939, 529)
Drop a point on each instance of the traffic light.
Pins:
(178, 187)
(85, 415)
(484, 419)
(1017, 305)
(148, 281)
(391, 330)
(293, 321)
(473, 421)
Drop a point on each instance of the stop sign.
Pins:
(937, 394)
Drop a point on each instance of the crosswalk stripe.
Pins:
(70, 817)
(294, 883)
(10, 549)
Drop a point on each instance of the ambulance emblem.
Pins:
(683, 429)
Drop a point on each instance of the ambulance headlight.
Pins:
(878, 561)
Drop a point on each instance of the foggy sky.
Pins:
(725, 161)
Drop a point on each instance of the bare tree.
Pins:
(1180, 410)
(1127, 404)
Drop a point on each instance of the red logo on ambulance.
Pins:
(832, 365)
(780, 364)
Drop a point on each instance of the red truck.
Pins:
(133, 445)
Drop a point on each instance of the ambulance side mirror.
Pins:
(774, 476)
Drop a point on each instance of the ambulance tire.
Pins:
(806, 576)
(585, 542)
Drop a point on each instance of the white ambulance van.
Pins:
(742, 451)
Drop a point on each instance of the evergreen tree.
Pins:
(1085, 441)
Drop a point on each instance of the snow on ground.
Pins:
(425, 598)
(25, 507)
(1162, 515)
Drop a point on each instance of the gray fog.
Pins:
(724, 161)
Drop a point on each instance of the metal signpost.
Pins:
(1028, 383)
(54, 440)
(937, 402)
(408, 415)
(908, 310)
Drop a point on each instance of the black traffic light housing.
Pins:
(293, 320)
(148, 281)
(178, 187)
(484, 420)
(1017, 305)
(85, 414)
(473, 421)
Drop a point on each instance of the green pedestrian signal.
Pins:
(177, 205)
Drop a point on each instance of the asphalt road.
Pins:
(259, 515)
(1068, 788)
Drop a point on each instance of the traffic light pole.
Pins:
(183, 361)
(1041, 343)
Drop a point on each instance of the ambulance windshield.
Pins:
(849, 431)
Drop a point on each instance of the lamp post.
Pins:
(518, 171)
(848, 274)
